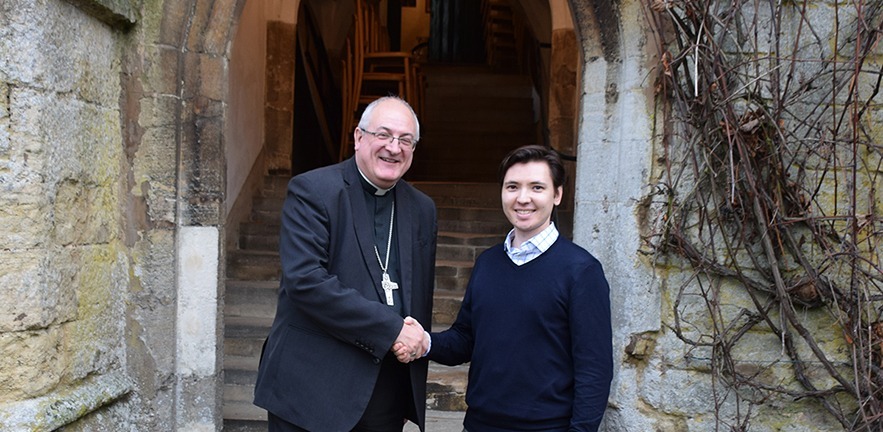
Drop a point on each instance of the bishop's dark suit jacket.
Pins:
(332, 327)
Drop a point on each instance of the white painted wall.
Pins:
(245, 108)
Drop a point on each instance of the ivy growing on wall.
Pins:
(769, 196)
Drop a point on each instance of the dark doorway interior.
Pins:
(455, 34)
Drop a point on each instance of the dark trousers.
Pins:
(389, 406)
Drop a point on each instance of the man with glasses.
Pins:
(357, 249)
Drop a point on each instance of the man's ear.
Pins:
(559, 193)
(357, 135)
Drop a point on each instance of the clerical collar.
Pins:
(369, 186)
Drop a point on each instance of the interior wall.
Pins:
(245, 109)
(415, 25)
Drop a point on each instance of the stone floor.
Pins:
(440, 421)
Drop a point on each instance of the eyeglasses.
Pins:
(405, 141)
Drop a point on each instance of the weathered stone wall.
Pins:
(112, 178)
(64, 264)
(663, 383)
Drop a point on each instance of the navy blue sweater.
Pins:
(539, 340)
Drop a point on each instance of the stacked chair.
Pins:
(501, 34)
(371, 71)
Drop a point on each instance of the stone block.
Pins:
(197, 270)
(213, 77)
(216, 36)
(84, 215)
(203, 146)
(161, 71)
(281, 48)
(31, 364)
(152, 303)
(173, 24)
(200, 14)
(153, 180)
(31, 222)
(83, 65)
(65, 138)
(36, 290)
(93, 342)
(158, 111)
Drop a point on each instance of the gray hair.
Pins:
(369, 111)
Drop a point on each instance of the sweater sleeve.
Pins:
(592, 345)
(454, 345)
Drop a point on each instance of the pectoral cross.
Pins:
(388, 287)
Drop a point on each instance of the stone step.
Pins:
(452, 275)
(445, 391)
(483, 214)
(473, 195)
(488, 227)
(471, 131)
(475, 81)
(275, 185)
(510, 110)
(263, 237)
(257, 236)
(453, 238)
(238, 396)
(445, 306)
(253, 265)
(267, 203)
(262, 266)
(479, 105)
(446, 387)
(251, 298)
(245, 426)
(247, 327)
(273, 216)
(458, 252)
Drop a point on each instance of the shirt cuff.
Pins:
(428, 337)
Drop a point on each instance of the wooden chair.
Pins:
(372, 71)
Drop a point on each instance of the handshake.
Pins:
(412, 343)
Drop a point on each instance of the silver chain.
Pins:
(388, 241)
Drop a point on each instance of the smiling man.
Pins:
(535, 319)
(357, 248)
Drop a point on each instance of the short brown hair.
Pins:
(532, 153)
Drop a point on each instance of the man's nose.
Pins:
(393, 145)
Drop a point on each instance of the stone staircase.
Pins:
(473, 117)
(250, 303)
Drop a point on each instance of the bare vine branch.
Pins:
(770, 167)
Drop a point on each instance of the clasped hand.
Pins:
(412, 342)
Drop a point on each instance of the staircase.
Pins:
(473, 118)
(253, 273)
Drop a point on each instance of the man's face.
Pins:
(385, 162)
(528, 197)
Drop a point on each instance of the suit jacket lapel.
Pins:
(363, 225)
(404, 220)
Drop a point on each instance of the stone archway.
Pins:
(615, 139)
(197, 35)
(193, 41)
